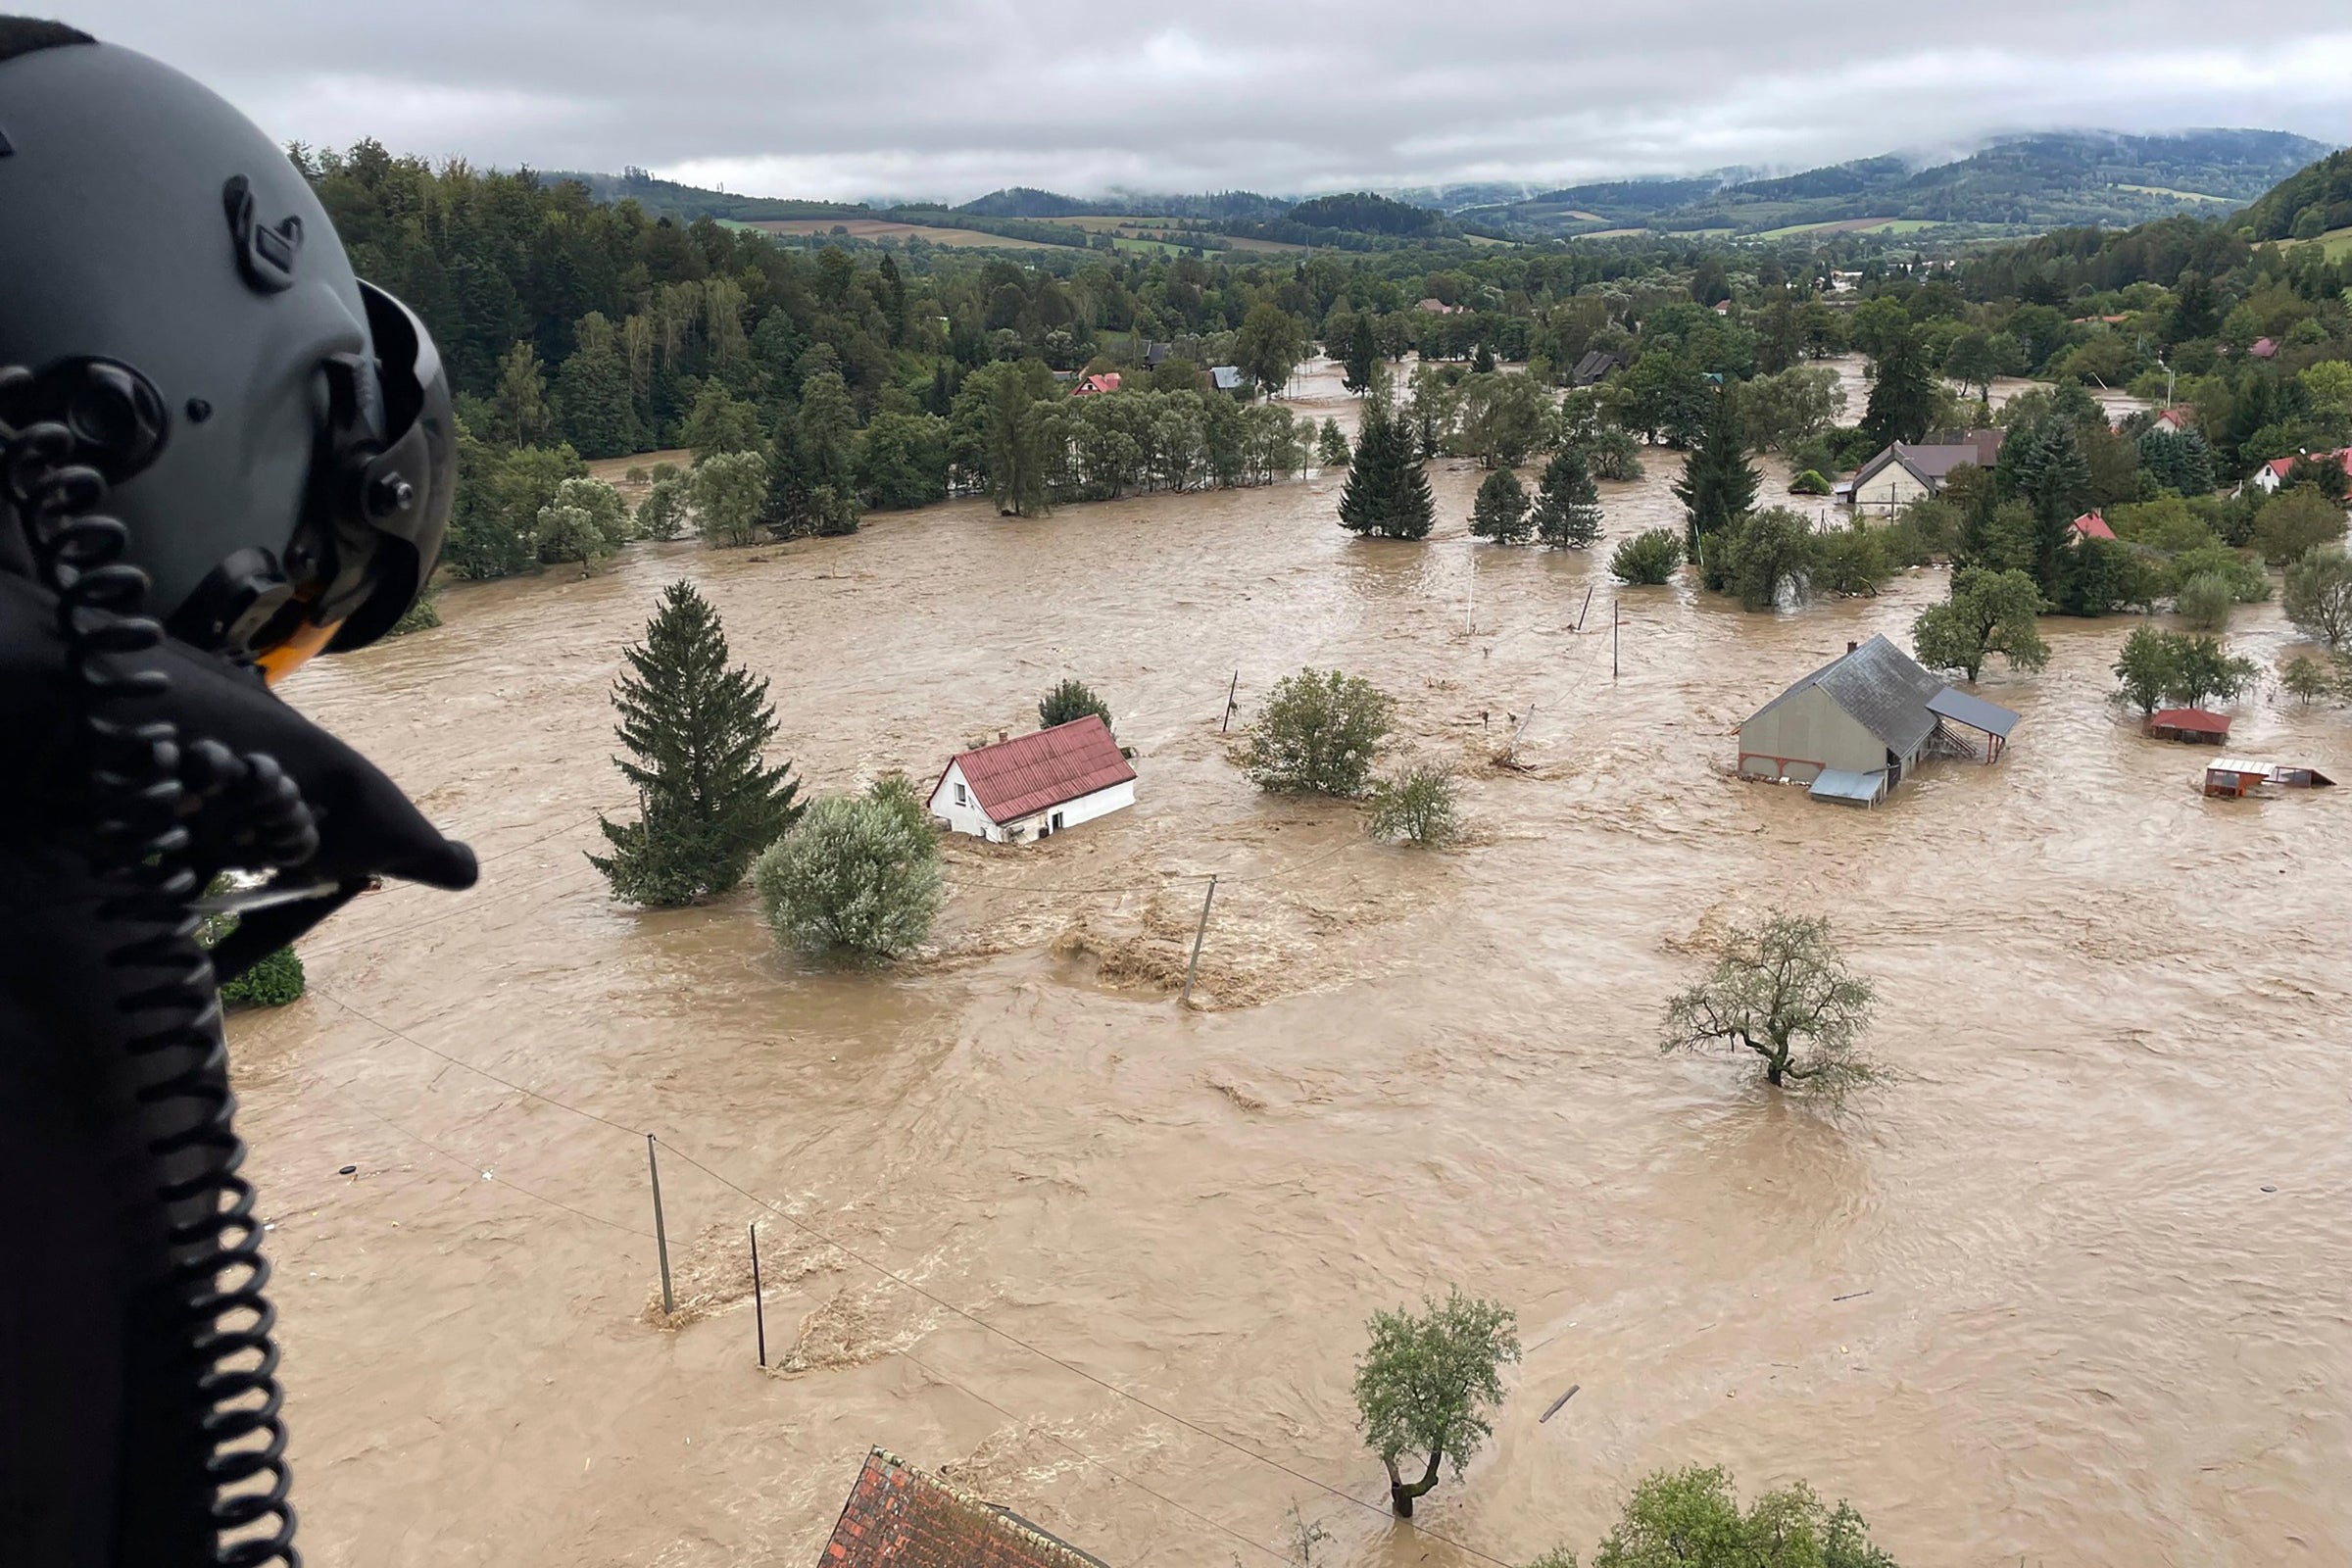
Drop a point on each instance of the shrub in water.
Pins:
(859, 877)
(1651, 556)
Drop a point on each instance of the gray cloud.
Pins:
(930, 98)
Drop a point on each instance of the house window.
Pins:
(960, 799)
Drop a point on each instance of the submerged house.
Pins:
(1596, 366)
(1905, 472)
(2191, 727)
(2235, 778)
(1229, 379)
(1033, 786)
(900, 1517)
(1857, 726)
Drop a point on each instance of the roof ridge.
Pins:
(1020, 1526)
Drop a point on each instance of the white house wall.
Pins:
(1888, 490)
(969, 818)
(966, 817)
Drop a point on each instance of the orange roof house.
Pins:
(902, 1517)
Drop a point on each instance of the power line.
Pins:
(908, 1284)
(460, 1160)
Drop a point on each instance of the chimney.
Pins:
(1003, 736)
(1853, 647)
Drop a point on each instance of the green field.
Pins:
(2177, 195)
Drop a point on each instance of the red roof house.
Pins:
(2174, 422)
(2192, 726)
(1092, 384)
(902, 1517)
(1035, 785)
(2271, 474)
(2264, 348)
(2090, 525)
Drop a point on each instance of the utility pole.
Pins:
(1614, 623)
(669, 1303)
(1200, 935)
(1229, 703)
(759, 1301)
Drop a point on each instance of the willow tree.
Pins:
(1781, 991)
(1426, 1383)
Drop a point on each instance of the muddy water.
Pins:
(2092, 1245)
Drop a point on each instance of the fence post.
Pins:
(669, 1302)
(759, 1303)
(1194, 967)
(1229, 704)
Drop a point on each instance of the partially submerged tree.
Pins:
(1651, 556)
(1761, 557)
(1331, 445)
(729, 490)
(1318, 734)
(1070, 699)
(860, 876)
(1386, 492)
(1567, 514)
(1417, 804)
(1782, 991)
(1426, 1383)
(696, 731)
(1989, 613)
(1499, 512)
(1691, 1519)
(2143, 668)
(2319, 593)
(2204, 602)
(1719, 485)
(2201, 668)
(2305, 677)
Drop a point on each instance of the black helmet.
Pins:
(279, 434)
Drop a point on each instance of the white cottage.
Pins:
(1036, 785)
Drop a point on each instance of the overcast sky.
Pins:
(920, 98)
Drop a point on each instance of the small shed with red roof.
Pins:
(1033, 786)
(2192, 726)
(902, 1517)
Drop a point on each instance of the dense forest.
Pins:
(837, 376)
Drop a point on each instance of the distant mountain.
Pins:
(1020, 201)
(2306, 204)
(666, 198)
(2017, 183)
(1023, 201)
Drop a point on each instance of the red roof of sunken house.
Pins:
(902, 1517)
(2191, 719)
(2090, 525)
(2280, 465)
(1014, 778)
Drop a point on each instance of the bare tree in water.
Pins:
(1782, 991)
(1425, 1383)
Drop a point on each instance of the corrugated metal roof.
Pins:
(1882, 687)
(1840, 784)
(1227, 377)
(900, 1517)
(1974, 711)
(1028, 774)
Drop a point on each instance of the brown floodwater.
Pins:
(2071, 1289)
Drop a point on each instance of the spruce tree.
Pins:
(787, 511)
(1567, 513)
(1501, 512)
(1483, 362)
(1903, 399)
(708, 802)
(1331, 447)
(1363, 356)
(1386, 492)
(1718, 486)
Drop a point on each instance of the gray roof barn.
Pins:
(1883, 688)
(1857, 726)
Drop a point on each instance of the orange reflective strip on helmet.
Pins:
(296, 651)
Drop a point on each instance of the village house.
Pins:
(2264, 348)
(2191, 727)
(2271, 474)
(1158, 354)
(1095, 385)
(1034, 786)
(1857, 726)
(900, 1517)
(2090, 526)
(2174, 422)
(1904, 472)
(1229, 379)
(1440, 308)
(1596, 366)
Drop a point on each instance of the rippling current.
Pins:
(2072, 1289)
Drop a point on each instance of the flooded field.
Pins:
(2072, 1290)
